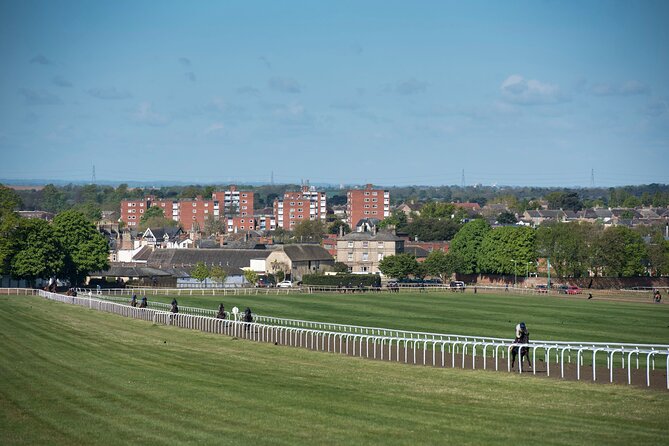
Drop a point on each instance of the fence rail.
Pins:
(440, 353)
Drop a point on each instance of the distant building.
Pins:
(41, 215)
(367, 203)
(298, 260)
(193, 214)
(363, 249)
(296, 207)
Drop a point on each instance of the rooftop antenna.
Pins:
(463, 178)
(93, 179)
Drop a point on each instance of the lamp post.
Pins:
(514, 273)
(528, 269)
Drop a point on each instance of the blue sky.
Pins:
(392, 93)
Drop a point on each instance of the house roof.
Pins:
(380, 236)
(130, 271)
(417, 251)
(303, 253)
(143, 254)
(232, 260)
(159, 233)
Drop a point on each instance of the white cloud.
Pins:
(214, 128)
(146, 115)
(518, 90)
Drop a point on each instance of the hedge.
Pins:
(344, 280)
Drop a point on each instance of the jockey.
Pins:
(520, 330)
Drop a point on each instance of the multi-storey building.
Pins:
(234, 202)
(296, 207)
(364, 249)
(367, 203)
(192, 214)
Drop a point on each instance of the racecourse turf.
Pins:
(70, 375)
(547, 317)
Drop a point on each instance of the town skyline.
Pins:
(516, 94)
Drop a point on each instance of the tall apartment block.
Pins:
(295, 207)
(233, 205)
(367, 203)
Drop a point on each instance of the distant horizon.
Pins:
(166, 183)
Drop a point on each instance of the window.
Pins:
(363, 269)
(141, 211)
(366, 194)
(350, 244)
(380, 256)
(365, 256)
(194, 211)
(380, 245)
(375, 193)
(365, 244)
(366, 200)
(350, 257)
(193, 204)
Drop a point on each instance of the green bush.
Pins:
(344, 280)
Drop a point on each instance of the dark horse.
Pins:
(248, 317)
(524, 351)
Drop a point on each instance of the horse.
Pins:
(524, 351)
(221, 312)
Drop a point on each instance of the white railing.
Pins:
(383, 347)
(187, 291)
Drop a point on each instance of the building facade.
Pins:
(296, 207)
(193, 214)
(362, 251)
(367, 203)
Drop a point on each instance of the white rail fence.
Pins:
(394, 347)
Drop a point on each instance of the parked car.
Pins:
(541, 288)
(264, 282)
(573, 289)
(457, 285)
(285, 284)
(562, 289)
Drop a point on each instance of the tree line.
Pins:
(573, 249)
(68, 247)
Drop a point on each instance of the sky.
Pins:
(536, 93)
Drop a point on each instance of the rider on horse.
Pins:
(522, 337)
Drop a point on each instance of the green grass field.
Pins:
(548, 318)
(69, 375)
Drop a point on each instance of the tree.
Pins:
(154, 217)
(52, 199)
(399, 266)
(431, 229)
(91, 211)
(200, 273)
(340, 267)
(213, 225)
(622, 252)
(218, 274)
(309, 231)
(84, 248)
(251, 276)
(9, 221)
(567, 245)
(41, 255)
(443, 265)
(504, 249)
(466, 244)
(397, 219)
(437, 209)
(564, 201)
(506, 218)
(334, 227)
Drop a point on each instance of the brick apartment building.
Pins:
(367, 203)
(295, 207)
(192, 214)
